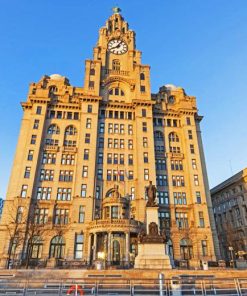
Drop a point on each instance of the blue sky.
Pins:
(200, 45)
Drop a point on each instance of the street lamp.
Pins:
(230, 248)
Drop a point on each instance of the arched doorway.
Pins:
(116, 252)
(186, 249)
(57, 247)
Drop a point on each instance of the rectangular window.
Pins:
(97, 192)
(179, 198)
(196, 180)
(81, 214)
(182, 220)
(27, 172)
(164, 219)
(198, 197)
(64, 193)
(68, 159)
(160, 164)
(142, 88)
(121, 175)
(69, 115)
(61, 216)
(145, 157)
(51, 142)
(33, 139)
(194, 166)
(109, 143)
(89, 108)
(100, 174)
(131, 175)
(109, 158)
(86, 154)
(87, 138)
(130, 144)
(69, 143)
(161, 180)
(144, 127)
(116, 128)
(19, 215)
(163, 197)
(36, 124)
(116, 143)
(144, 112)
(188, 121)
(30, 155)
(129, 115)
(85, 171)
(79, 241)
(204, 248)
(88, 123)
(59, 115)
(100, 158)
(178, 181)
(121, 143)
(109, 175)
(83, 190)
(130, 129)
(38, 110)
(66, 176)
(145, 142)
(76, 116)
(130, 159)
(46, 175)
(102, 128)
(44, 193)
(91, 84)
(132, 193)
(190, 136)
(192, 149)
(201, 220)
(24, 191)
(121, 161)
(41, 216)
(122, 129)
(110, 128)
(146, 174)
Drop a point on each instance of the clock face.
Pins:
(117, 46)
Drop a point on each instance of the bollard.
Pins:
(161, 283)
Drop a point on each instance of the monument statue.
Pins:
(151, 194)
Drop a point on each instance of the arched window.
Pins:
(52, 89)
(158, 135)
(173, 137)
(53, 130)
(35, 247)
(186, 249)
(70, 130)
(142, 76)
(57, 247)
(116, 65)
(116, 92)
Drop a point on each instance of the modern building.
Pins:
(229, 200)
(85, 155)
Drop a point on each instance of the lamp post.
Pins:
(230, 248)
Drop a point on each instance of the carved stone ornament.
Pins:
(153, 237)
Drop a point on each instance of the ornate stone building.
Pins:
(229, 200)
(86, 154)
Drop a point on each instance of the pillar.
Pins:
(127, 246)
(109, 248)
(94, 246)
(89, 247)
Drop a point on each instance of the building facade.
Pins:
(86, 154)
(229, 200)
(1, 207)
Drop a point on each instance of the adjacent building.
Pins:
(1, 207)
(229, 200)
(85, 155)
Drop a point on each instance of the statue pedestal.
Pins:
(151, 247)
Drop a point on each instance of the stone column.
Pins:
(94, 246)
(89, 248)
(109, 248)
(127, 247)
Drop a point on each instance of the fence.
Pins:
(119, 286)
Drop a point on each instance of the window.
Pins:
(116, 128)
(190, 136)
(36, 124)
(158, 136)
(175, 149)
(130, 129)
(101, 128)
(122, 129)
(49, 158)
(201, 220)
(109, 158)
(89, 108)
(109, 175)
(92, 72)
(116, 92)
(146, 174)
(110, 128)
(27, 172)
(69, 115)
(129, 115)
(173, 137)
(91, 84)
(144, 127)
(81, 214)
(100, 174)
(66, 176)
(130, 144)
(53, 129)
(204, 248)
(110, 114)
(38, 110)
(70, 131)
(160, 164)
(161, 180)
(68, 159)
(79, 241)
(35, 247)
(168, 122)
(177, 165)
(192, 149)
(179, 198)
(64, 193)
(88, 123)
(182, 220)
(100, 158)
(30, 155)
(19, 214)
(145, 142)
(198, 197)
(97, 192)
(24, 191)
(46, 175)
(163, 197)
(85, 171)
(116, 65)
(131, 175)
(41, 216)
(44, 193)
(76, 116)
(164, 219)
(188, 121)
(121, 161)
(132, 193)
(51, 142)
(196, 180)
(87, 138)
(114, 212)
(86, 154)
(109, 143)
(33, 139)
(142, 76)
(69, 143)
(121, 115)
(130, 159)
(142, 88)
(145, 157)
(61, 216)
(194, 166)
(178, 181)
(115, 143)
(57, 247)
(144, 112)
(59, 114)
(83, 190)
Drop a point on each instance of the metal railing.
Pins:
(120, 286)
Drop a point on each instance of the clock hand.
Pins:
(116, 45)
